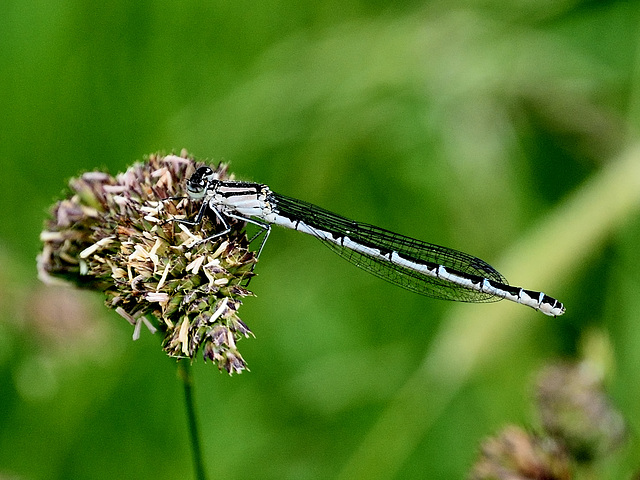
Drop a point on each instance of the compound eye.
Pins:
(204, 171)
(202, 174)
(197, 183)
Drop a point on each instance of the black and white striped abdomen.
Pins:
(418, 266)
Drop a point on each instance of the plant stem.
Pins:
(184, 372)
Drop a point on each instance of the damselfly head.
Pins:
(198, 182)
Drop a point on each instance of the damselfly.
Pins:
(421, 267)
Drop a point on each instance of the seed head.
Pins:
(515, 454)
(118, 235)
(575, 409)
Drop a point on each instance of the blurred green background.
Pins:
(507, 129)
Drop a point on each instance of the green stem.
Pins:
(184, 373)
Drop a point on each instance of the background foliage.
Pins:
(506, 129)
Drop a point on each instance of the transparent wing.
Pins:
(322, 222)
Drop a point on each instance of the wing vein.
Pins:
(333, 230)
